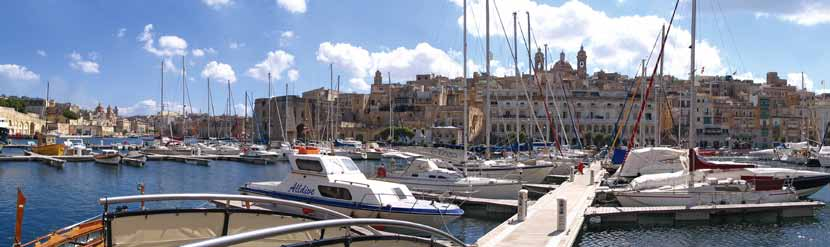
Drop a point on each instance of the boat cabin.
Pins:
(402, 164)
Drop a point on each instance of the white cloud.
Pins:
(286, 37)
(121, 32)
(794, 79)
(77, 62)
(611, 43)
(42, 53)
(218, 4)
(293, 6)
(236, 45)
(144, 107)
(197, 52)
(275, 63)
(759, 15)
(810, 14)
(750, 76)
(169, 45)
(401, 62)
(219, 71)
(17, 72)
(293, 74)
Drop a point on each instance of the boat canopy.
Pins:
(651, 160)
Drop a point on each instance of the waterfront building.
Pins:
(24, 124)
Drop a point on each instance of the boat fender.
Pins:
(381, 171)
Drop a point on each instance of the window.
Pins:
(334, 192)
(309, 165)
(399, 193)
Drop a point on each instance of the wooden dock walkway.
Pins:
(780, 210)
(540, 226)
(30, 156)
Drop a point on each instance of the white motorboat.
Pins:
(422, 174)
(260, 152)
(765, 154)
(336, 183)
(75, 146)
(109, 157)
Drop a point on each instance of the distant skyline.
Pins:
(111, 51)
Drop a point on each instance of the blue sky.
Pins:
(110, 51)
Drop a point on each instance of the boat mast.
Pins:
(184, 104)
(229, 115)
(268, 129)
(210, 108)
(330, 114)
(659, 96)
(487, 120)
(284, 128)
(244, 133)
(466, 94)
(163, 119)
(692, 90)
(336, 110)
(391, 120)
(518, 81)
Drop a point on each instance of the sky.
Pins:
(111, 52)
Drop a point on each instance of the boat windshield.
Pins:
(342, 165)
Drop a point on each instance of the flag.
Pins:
(21, 203)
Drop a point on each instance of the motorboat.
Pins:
(217, 149)
(4, 133)
(167, 146)
(134, 158)
(422, 174)
(765, 154)
(174, 223)
(335, 182)
(260, 152)
(75, 146)
(373, 151)
(109, 157)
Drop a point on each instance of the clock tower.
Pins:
(581, 66)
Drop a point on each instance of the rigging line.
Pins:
(477, 34)
(627, 108)
(720, 37)
(734, 44)
(552, 127)
(504, 30)
(650, 85)
(530, 103)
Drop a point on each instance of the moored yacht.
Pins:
(422, 174)
(506, 169)
(747, 189)
(335, 182)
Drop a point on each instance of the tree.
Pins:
(400, 133)
(70, 114)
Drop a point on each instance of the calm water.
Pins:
(57, 198)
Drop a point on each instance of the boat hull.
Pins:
(50, 149)
(108, 159)
(653, 199)
(529, 174)
(357, 211)
(480, 190)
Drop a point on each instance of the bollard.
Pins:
(521, 213)
(590, 177)
(561, 214)
(571, 176)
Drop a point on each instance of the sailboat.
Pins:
(47, 143)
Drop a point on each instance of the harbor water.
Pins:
(60, 197)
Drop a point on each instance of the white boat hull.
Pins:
(527, 174)
(480, 190)
(113, 160)
(653, 199)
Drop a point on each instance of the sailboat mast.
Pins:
(391, 120)
(184, 104)
(163, 119)
(268, 129)
(692, 90)
(518, 81)
(466, 133)
(336, 108)
(487, 120)
(210, 107)
(659, 96)
(284, 128)
(245, 133)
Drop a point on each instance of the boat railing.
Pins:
(379, 197)
(308, 226)
(107, 201)
(352, 183)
